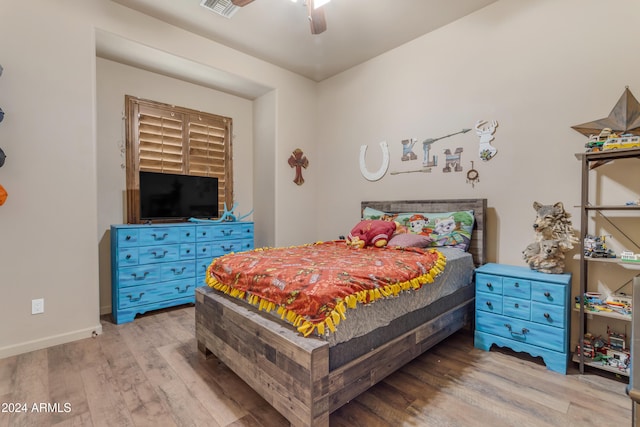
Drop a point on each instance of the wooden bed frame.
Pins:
(292, 372)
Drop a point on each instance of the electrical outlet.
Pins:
(37, 306)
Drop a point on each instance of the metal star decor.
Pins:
(624, 118)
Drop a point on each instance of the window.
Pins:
(169, 139)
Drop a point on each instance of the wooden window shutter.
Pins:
(168, 139)
(160, 140)
(210, 152)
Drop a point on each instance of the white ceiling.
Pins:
(278, 31)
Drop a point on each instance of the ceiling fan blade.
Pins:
(316, 18)
(241, 2)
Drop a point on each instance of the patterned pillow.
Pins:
(444, 229)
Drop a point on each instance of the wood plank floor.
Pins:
(149, 373)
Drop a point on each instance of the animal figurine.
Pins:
(554, 236)
(549, 259)
(553, 222)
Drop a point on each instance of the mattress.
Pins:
(366, 318)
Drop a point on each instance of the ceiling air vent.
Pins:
(221, 7)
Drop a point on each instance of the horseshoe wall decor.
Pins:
(374, 176)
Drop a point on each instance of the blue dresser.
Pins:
(158, 266)
(524, 310)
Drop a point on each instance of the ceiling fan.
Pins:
(316, 13)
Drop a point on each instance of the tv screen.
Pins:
(171, 196)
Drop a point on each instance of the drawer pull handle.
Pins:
(156, 255)
(227, 232)
(204, 250)
(227, 248)
(516, 305)
(519, 334)
(489, 285)
(547, 294)
(188, 234)
(156, 237)
(489, 304)
(136, 277)
(135, 299)
(127, 238)
(177, 272)
(128, 256)
(517, 285)
(547, 316)
(188, 251)
(184, 291)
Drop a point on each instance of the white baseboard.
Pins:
(38, 344)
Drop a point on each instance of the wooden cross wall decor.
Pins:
(298, 160)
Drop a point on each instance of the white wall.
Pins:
(53, 237)
(536, 67)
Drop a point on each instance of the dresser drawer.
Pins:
(149, 294)
(548, 293)
(521, 331)
(547, 314)
(139, 275)
(201, 269)
(489, 284)
(155, 254)
(159, 235)
(128, 256)
(177, 270)
(187, 251)
(218, 248)
(489, 302)
(225, 231)
(516, 307)
(222, 248)
(187, 234)
(127, 237)
(516, 288)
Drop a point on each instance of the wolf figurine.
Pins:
(549, 259)
(554, 235)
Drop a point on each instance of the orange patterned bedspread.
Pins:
(312, 286)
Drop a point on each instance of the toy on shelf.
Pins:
(624, 141)
(595, 247)
(613, 352)
(608, 140)
(595, 142)
(615, 303)
(629, 256)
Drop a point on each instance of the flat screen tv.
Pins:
(165, 196)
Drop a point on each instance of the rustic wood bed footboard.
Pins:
(292, 372)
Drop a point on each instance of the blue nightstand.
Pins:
(524, 310)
